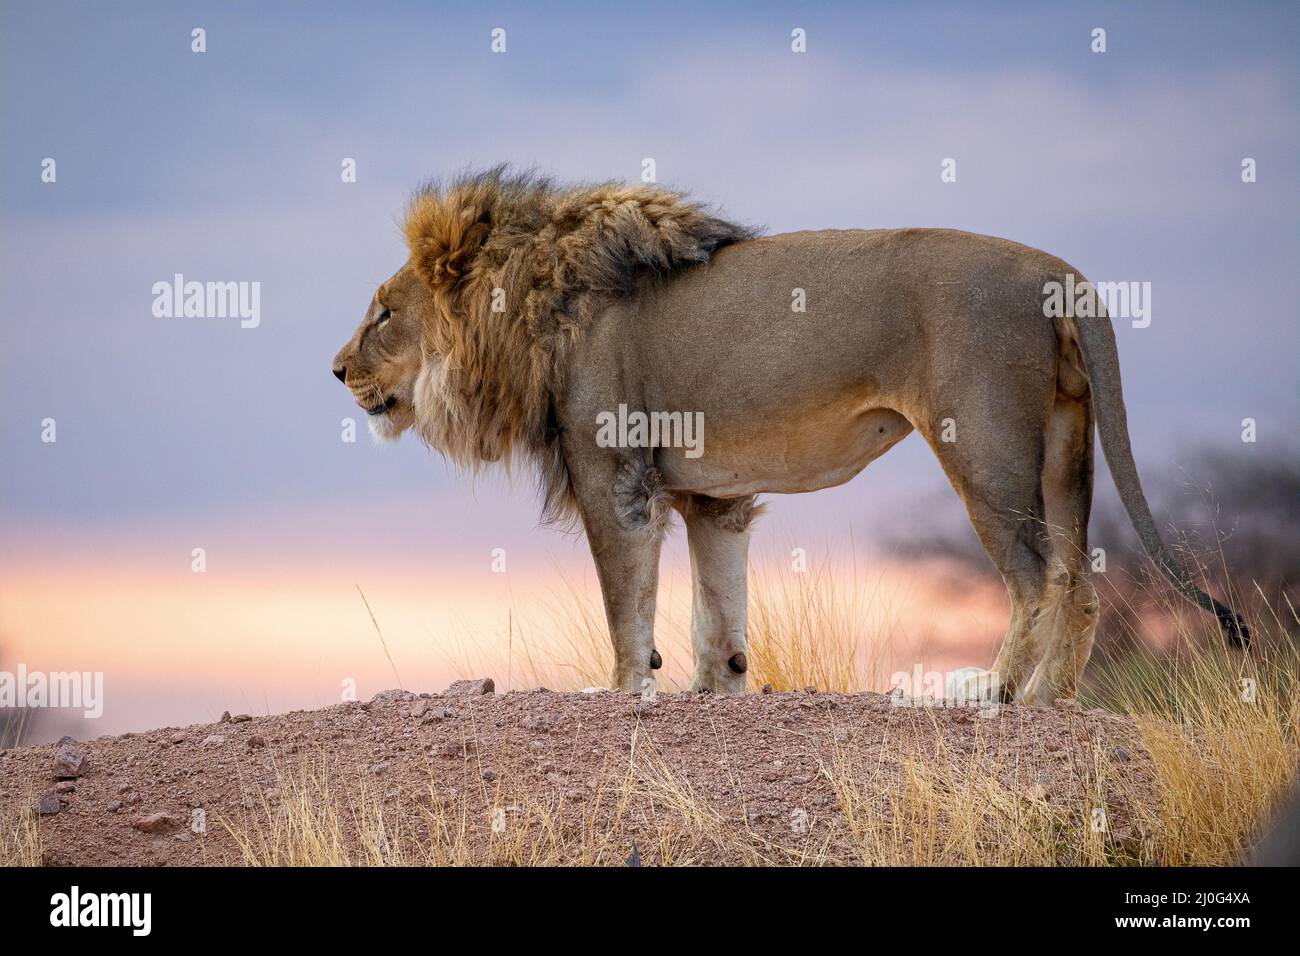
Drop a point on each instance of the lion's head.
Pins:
(467, 342)
(383, 359)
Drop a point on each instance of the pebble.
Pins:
(214, 740)
(49, 804)
(256, 742)
(161, 822)
(472, 688)
(69, 762)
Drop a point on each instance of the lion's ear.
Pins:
(444, 238)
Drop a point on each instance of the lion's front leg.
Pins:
(718, 535)
(625, 513)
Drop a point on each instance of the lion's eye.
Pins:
(383, 318)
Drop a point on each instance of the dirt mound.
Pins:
(469, 776)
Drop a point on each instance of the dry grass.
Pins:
(816, 628)
(1223, 729)
(945, 810)
(830, 626)
(20, 837)
(318, 816)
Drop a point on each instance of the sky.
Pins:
(225, 165)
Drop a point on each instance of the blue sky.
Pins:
(225, 166)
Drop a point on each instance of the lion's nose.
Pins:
(341, 374)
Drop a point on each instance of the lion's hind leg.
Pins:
(1067, 491)
(995, 466)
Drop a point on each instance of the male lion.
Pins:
(528, 313)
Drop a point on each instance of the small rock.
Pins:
(379, 768)
(1122, 755)
(767, 688)
(435, 714)
(472, 688)
(458, 749)
(530, 722)
(225, 717)
(488, 775)
(256, 742)
(69, 762)
(177, 738)
(133, 798)
(419, 708)
(1068, 704)
(114, 806)
(214, 740)
(49, 804)
(65, 786)
(161, 822)
(241, 718)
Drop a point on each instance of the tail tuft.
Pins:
(1234, 626)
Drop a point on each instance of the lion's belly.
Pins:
(814, 449)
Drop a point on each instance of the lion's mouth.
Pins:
(383, 406)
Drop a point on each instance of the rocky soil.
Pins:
(537, 776)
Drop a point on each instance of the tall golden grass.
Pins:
(20, 836)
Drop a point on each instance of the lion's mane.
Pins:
(519, 267)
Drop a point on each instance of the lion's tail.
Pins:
(1097, 340)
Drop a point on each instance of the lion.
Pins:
(529, 313)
